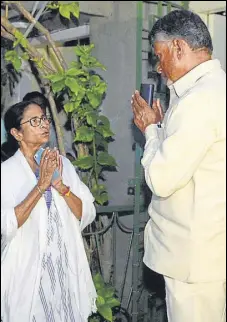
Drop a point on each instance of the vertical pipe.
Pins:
(169, 7)
(160, 9)
(114, 241)
(138, 154)
(151, 21)
(126, 268)
(185, 4)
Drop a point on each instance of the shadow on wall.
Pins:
(155, 285)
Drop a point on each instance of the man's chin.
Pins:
(165, 80)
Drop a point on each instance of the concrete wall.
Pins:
(217, 26)
(207, 6)
(115, 47)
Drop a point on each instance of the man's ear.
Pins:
(16, 134)
(179, 47)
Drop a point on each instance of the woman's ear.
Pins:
(16, 134)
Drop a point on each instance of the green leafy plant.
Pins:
(84, 91)
(106, 300)
(65, 9)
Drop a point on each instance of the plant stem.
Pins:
(7, 11)
(8, 33)
(95, 160)
(81, 148)
(42, 29)
(56, 121)
(32, 51)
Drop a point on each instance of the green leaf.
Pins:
(84, 134)
(101, 196)
(72, 84)
(80, 94)
(25, 56)
(104, 120)
(78, 51)
(53, 6)
(100, 301)
(69, 107)
(107, 292)
(75, 64)
(75, 10)
(18, 34)
(20, 39)
(58, 86)
(94, 319)
(101, 199)
(91, 62)
(106, 312)
(98, 189)
(100, 141)
(39, 62)
(17, 63)
(99, 65)
(98, 281)
(85, 162)
(9, 55)
(16, 42)
(92, 118)
(88, 61)
(106, 159)
(101, 88)
(94, 99)
(95, 79)
(112, 302)
(24, 42)
(105, 131)
(88, 48)
(75, 72)
(55, 77)
(77, 104)
(83, 80)
(13, 57)
(64, 10)
(84, 51)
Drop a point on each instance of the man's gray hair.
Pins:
(182, 24)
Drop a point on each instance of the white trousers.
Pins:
(199, 302)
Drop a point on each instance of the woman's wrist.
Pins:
(61, 188)
(41, 191)
(41, 187)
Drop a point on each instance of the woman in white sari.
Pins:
(45, 272)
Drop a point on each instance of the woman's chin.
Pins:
(45, 138)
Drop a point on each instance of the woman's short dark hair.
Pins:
(12, 119)
(15, 113)
(38, 98)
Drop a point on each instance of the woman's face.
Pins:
(35, 127)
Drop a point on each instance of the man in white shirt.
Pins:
(185, 168)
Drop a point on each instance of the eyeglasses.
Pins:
(36, 121)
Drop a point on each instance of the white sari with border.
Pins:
(23, 249)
